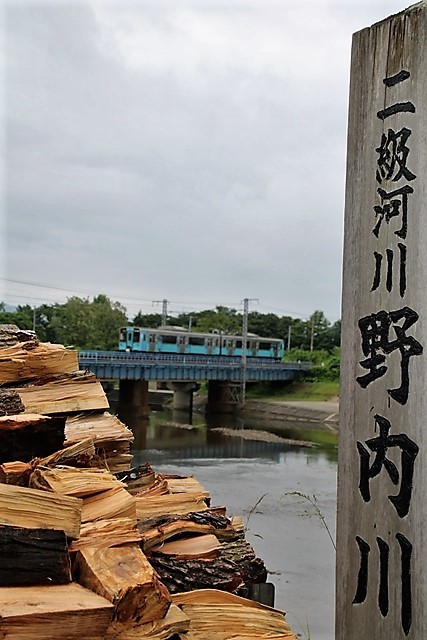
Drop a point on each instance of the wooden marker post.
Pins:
(382, 473)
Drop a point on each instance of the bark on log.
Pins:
(26, 436)
(241, 552)
(33, 556)
(186, 575)
(157, 530)
(10, 403)
(234, 570)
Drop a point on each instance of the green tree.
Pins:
(106, 319)
(88, 325)
(220, 319)
(149, 320)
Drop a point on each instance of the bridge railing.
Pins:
(132, 357)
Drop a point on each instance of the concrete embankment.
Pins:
(321, 413)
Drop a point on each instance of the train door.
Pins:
(136, 346)
(129, 339)
(229, 346)
(181, 344)
(254, 348)
(152, 342)
(209, 346)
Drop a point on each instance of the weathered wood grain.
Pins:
(381, 583)
(34, 509)
(66, 612)
(123, 576)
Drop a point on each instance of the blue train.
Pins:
(179, 340)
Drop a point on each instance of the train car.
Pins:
(178, 340)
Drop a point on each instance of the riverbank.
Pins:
(324, 414)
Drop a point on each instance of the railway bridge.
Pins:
(182, 374)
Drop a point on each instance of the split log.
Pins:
(10, 334)
(34, 509)
(138, 478)
(178, 503)
(114, 503)
(202, 547)
(106, 533)
(185, 575)
(172, 625)
(70, 481)
(156, 531)
(217, 615)
(33, 556)
(158, 488)
(66, 393)
(65, 612)
(187, 484)
(17, 473)
(79, 454)
(112, 439)
(26, 361)
(123, 576)
(26, 436)
(10, 403)
(103, 427)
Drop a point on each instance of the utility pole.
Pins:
(164, 303)
(246, 302)
(289, 337)
(312, 335)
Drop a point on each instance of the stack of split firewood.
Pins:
(93, 548)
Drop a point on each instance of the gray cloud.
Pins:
(189, 150)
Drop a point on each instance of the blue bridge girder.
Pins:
(123, 365)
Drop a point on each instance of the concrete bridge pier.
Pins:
(183, 395)
(222, 397)
(133, 397)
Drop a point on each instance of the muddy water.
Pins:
(261, 480)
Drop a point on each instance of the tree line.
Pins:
(94, 324)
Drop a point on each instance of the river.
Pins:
(263, 481)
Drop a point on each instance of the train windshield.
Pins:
(122, 335)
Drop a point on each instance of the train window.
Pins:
(265, 345)
(136, 335)
(199, 342)
(122, 335)
(239, 344)
(168, 339)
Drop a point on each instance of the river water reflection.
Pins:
(252, 478)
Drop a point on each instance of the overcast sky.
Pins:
(192, 150)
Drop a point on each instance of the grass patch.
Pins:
(310, 391)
